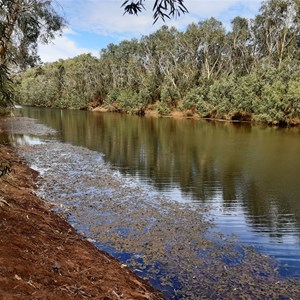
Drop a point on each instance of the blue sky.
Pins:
(93, 24)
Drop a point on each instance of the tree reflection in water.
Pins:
(245, 168)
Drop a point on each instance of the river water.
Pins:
(247, 176)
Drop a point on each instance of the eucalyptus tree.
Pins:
(152, 76)
(240, 47)
(211, 47)
(166, 57)
(67, 83)
(125, 63)
(251, 71)
(276, 30)
(109, 65)
(80, 81)
(23, 24)
(189, 43)
(120, 65)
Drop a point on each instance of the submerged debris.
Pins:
(43, 257)
(173, 245)
(169, 243)
(23, 125)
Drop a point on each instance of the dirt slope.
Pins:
(43, 257)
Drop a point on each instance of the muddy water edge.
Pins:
(41, 255)
(171, 244)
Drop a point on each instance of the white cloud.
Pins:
(62, 47)
(105, 19)
(106, 16)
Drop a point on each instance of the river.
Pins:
(247, 176)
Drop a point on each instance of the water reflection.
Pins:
(4, 138)
(248, 172)
(24, 139)
(19, 139)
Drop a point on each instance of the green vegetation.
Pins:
(162, 9)
(23, 24)
(249, 73)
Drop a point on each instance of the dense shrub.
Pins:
(169, 94)
(246, 93)
(292, 107)
(197, 99)
(163, 108)
(112, 96)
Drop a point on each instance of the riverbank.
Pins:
(43, 257)
(175, 246)
(156, 111)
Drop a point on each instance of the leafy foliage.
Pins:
(162, 8)
(6, 95)
(22, 25)
(163, 109)
(248, 73)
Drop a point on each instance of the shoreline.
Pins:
(129, 207)
(243, 118)
(42, 256)
(233, 117)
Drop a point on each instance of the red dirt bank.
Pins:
(43, 257)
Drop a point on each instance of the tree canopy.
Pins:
(23, 24)
(250, 71)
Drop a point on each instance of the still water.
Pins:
(249, 176)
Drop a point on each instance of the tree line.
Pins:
(23, 24)
(26, 23)
(250, 72)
